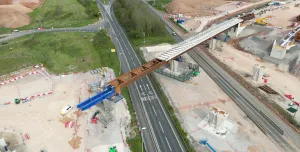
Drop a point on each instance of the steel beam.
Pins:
(129, 77)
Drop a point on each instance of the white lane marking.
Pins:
(145, 88)
(154, 110)
(165, 114)
(136, 86)
(161, 127)
(168, 143)
(141, 87)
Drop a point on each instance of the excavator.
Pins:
(261, 21)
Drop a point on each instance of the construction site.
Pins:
(198, 103)
(27, 94)
(265, 52)
(87, 112)
(270, 45)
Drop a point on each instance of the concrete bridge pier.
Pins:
(174, 66)
(236, 30)
(213, 44)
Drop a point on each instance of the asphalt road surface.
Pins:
(160, 133)
(89, 28)
(275, 128)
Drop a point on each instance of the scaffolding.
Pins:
(104, 75)
(106, 109)
(97, 86)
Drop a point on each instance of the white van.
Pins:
(16, 30)
(66, 109)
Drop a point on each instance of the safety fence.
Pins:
(184, 76)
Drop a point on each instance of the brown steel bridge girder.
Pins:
(129, 77)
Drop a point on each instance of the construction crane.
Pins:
(205, 142)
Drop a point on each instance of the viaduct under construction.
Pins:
(166, 57)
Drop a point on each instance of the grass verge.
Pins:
(105, 2)
(160, 4)
(58, 14)
(59, 52)
(4, 30)
(134, 143)
(177, 24)
(152, 41)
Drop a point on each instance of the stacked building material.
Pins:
(298, 18)
(297, 36)
(248, 17)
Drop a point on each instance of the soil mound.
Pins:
(5, 2)
(193, 7)
(13, 16)
(13, 13)
(30, 4)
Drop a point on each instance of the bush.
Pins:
(137, 19)
(90, 8)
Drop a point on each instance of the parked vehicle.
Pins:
(3, 43)
(66, 109)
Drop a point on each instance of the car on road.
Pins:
(66, 109)
(174, 34)
(3, 43)
(16, 30)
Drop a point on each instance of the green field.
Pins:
(153, 40)
(134, 143)
(62, 13)
(160, 4)
(59, 52)
(5, 30)
(66, 13)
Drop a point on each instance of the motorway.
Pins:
(160, 134)
(264, 118)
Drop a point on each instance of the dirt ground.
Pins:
(13, 14)
(197, 18)
(283, 83)
(41, 119)
(283, 16)
(192, 102)
(199, 8)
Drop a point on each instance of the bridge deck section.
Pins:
(191, 42)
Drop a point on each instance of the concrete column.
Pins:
(277, 51)
(239, 29)
(212, 44)
(174, 66)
